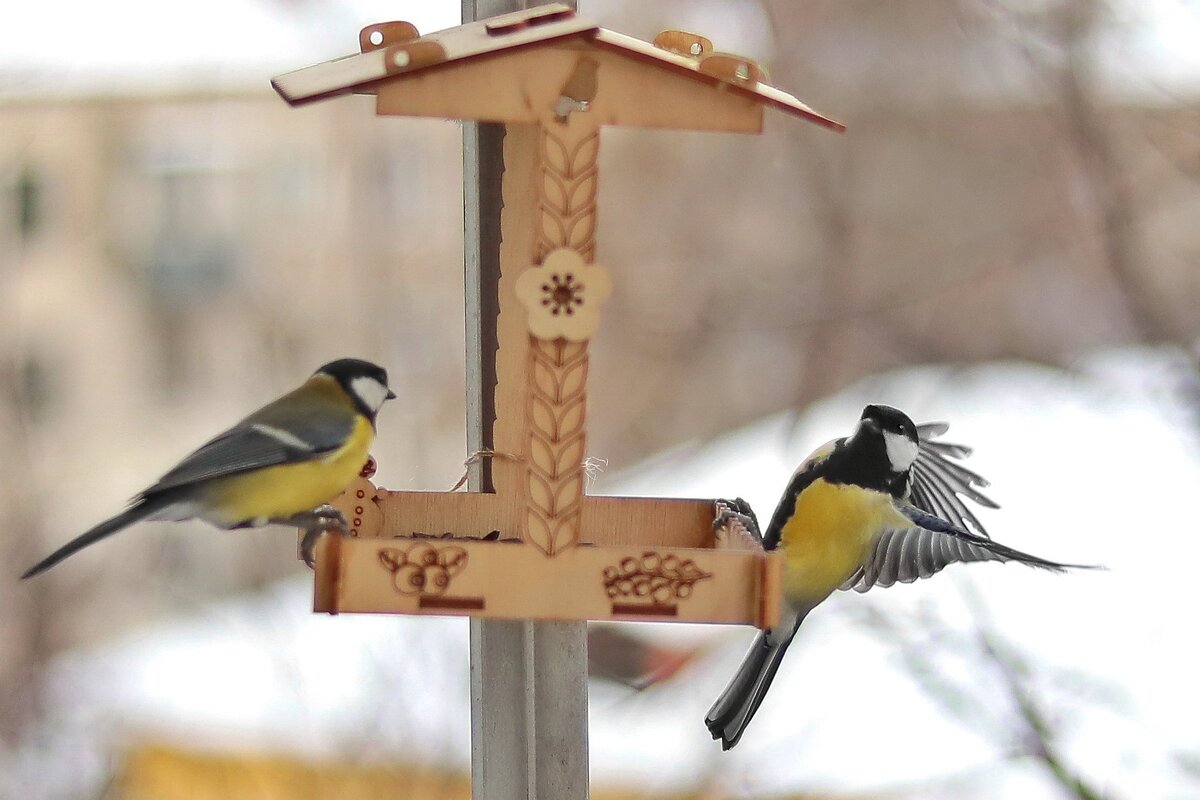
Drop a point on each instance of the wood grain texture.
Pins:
(462, 514)
(508, 88)
(556, 406)
(605, 583)
(655, 521)
(555, 451)
(566, 185)
(653, 87)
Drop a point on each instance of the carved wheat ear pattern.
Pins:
(566, 189)
(556, 442)
(557, 369)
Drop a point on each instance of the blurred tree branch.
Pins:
(1067, 64)
(1028, 729)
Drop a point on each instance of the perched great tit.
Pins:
(277, 466)
(880, 506)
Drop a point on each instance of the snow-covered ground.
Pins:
(1095, 466)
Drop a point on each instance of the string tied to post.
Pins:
(592, 465)
(477, 458)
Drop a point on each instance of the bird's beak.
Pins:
(390, 395)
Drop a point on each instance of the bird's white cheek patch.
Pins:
(370, 391)
(901, 450)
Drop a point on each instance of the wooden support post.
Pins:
(528, 680)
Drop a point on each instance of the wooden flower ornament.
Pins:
(563, 296)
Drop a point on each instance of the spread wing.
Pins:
(275, 434)
(939, 483)
(904, 554)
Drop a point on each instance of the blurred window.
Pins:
(31, 387)
(197, 237)
(194, 253)
(27, 202)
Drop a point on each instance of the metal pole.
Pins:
(528, 680)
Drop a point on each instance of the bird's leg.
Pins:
(315, 522)
(319, 519)
(737, 510)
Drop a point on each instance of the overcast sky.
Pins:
(77, 45)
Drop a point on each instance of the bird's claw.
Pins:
(329, 518)
(323, 519)
(739, 511)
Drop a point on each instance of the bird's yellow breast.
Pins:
(289, 489)
(828, 536)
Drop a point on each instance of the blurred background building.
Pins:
(1020, 182)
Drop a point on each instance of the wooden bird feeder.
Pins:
(540, 547)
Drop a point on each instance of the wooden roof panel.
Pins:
(494, 37)
(765, 93)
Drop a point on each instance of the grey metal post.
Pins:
(528, 680)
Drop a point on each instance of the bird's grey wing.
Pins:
(901, 555)
(256, 443)
(938, 483)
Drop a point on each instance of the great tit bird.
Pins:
(881, 506)
(277, 466)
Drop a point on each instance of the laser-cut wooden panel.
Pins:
(517, 581)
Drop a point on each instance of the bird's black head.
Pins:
(895, 430)
(366, 383)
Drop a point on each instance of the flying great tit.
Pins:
(277, 466)
(881, 506)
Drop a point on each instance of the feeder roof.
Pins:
(393, 51)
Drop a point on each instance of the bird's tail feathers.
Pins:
(733, 710)
(141, 509)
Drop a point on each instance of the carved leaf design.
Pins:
(556, 443)
(542, 414)
(555, 407)
(583, 193)
(568, 495)
(541, 494)
(581, 232)
(554, 153)
(555, 195)
(570, 455)
(454, 559)
(422, 568)
(567, 192)
(391, 559)
(586, 152)
(574, 377)
(553, 230)
(572, 420)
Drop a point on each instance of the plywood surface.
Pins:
(517, 581)
(510, 71)
(604, 520)
(522, 86)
